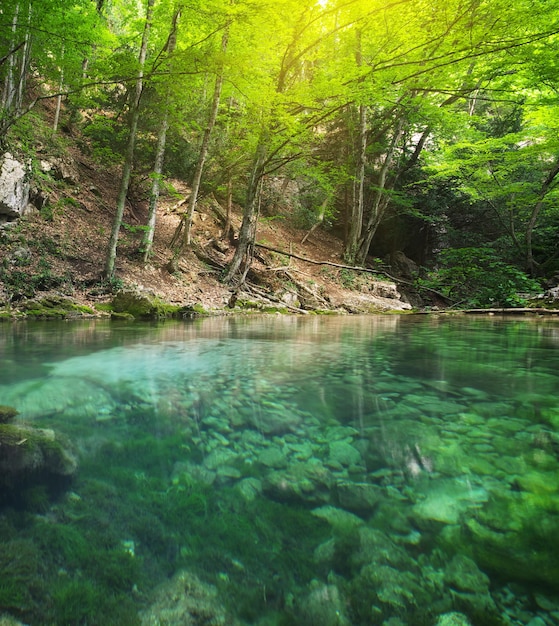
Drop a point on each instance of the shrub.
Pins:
(478, 277)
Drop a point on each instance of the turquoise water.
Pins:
(391, 470)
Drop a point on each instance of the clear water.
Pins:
(280, 471)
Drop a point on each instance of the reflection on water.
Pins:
(275, 471)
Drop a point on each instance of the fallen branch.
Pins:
(354, 268)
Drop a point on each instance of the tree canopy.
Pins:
(416, 126)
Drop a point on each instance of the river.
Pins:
(392, 470)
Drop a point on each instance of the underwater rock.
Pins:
(32, 453)
(343, 454)
(463, 574)
(275, 419)
(339, 519)
(273, 457)
(376, 548)
(453, 619)
(308, 482)
(219, 457)
(249, 488)
(7, 414)
(63, 396)
(448, 499)
(186, 601)
(511, 554)
(360, 498)
(396, 591)
(324, 606)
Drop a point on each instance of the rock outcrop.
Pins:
(14, 188)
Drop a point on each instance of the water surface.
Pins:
(277, 471)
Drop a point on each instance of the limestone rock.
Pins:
(14, 188)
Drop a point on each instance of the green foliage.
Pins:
(478, 277)
(107, 139)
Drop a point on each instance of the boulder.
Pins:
(14, 188)
(31, 455)
(139, 303)
(186, 601)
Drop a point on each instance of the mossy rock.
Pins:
(7, 413)
(54, 307)
(141, 305)
(33, 455)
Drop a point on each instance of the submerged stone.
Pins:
(344, 454)
(360, 498)
(324, 606)
(32, 454)
(453, 619)
(186, 601)
(338, 518)
(463, 574)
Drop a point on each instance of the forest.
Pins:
(428, 128)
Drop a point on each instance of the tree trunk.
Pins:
(205, 145)
(245, 247)
(381, 200)
(546, 187)
(147, 243)
(227, 227)
(9, 90)
(24, 64)
(357, 205)
(358, 197)
(129, 155)
(59, 98)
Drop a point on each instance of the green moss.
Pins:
(54, 307)
(7, 413)
(19, 575)
(122, 316)
(104, 307)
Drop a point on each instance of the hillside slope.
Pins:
(60, 249)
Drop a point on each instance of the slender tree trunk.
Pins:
(147, 243)
(24, 64)
(358, 200)
(355, 226)
(8, 92)
(247, 234)
(227, 227)
(205, 145)
(381, 200)
(59, 98)
(129, 155)
(546, 187)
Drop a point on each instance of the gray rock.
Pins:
(14, 187)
